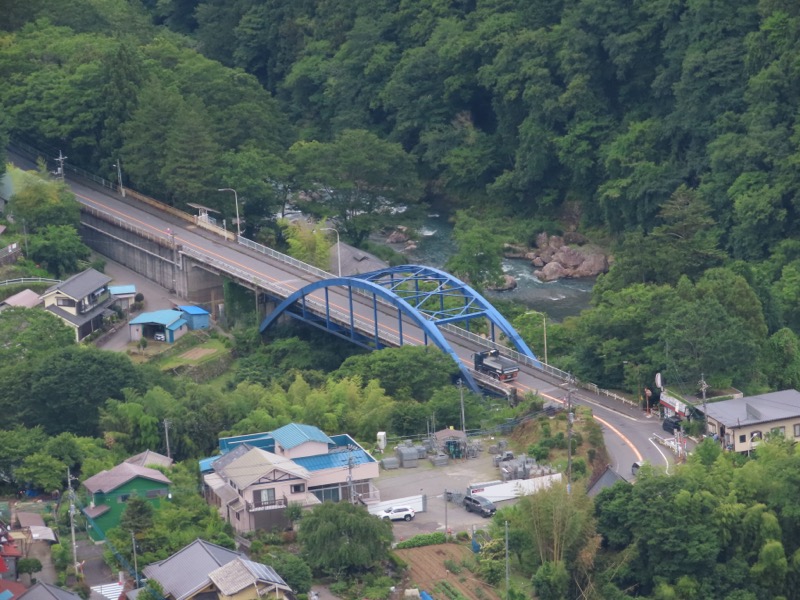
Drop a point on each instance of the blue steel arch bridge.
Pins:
(410, 302)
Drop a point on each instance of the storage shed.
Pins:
(161, 325)
(196, 317)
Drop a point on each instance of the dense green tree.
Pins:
(38, 203)
(93, 376)
(15, 445)
(339, 538)
(138, 516)
(42, 472)
(478, 258)
(59, 249)
(406, 372)
(358, 179)
(26, 332)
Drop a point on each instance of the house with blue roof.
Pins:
(258, 475)
(125, 295)
(161, 326)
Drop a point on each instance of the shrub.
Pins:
(339, 588)
(397, 562)
(462, 536)
(578, 466)
(539, 452)
(423, 539)
(139, 297)
(452, 566)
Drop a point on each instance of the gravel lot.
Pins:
(432, 482)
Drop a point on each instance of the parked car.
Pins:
(479, 505)
(672, 424)
(397, 513)
(159, 337)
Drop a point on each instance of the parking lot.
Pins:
(432, 482)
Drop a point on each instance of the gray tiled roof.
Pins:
(240, 573)
(148, 457)
(185, 572)
(45, 591)
(81, 285)
(106, 481)
(607, 479)
(753, 410)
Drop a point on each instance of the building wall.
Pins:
(339, 475)
(304, 449)
(117, 502)
(742, 439)
(249, 593)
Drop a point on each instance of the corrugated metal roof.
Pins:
(193, 310)
(335, 459)
(292, 435)
(755, 409)
(122, 290)
(106, 481)
(177, 325)
(256, 463)
(186, 571)
(263, 440)
(207, 464)
(160, 317)
(81, 285)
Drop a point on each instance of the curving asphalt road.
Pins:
(627, 431)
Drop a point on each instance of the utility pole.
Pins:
(570, 419)
(463, 420)
(118, 164)
(135, 561)
(60, 160)
(72, 522)
(166, 435)
(445, 511)
(703, 388)
(508, 574)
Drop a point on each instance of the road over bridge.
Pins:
(185, 248)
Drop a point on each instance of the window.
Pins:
(797, 431)
(264, 497)
(298, 488)
(65, 302)
(123, 497)
(778, 431)
(155, 493)
(742, 439)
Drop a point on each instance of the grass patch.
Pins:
(196, 355)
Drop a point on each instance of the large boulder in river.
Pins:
(593, 265)
(508, 283)
(568, 257)
(398, 236)
(551, 272)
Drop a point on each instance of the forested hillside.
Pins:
(668, 125)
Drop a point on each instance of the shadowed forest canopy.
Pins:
(669, 129)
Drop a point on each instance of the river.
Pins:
(558, 299)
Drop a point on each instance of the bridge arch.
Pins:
(400, 287)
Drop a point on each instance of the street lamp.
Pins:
(338, 247)
(544, 329)
(236, 199)
(118, 165)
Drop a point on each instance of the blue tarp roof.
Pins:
(292, 435)
(263, 440)
(159, 317)
(194, 310)
(120, 290)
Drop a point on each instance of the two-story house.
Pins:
(109, 492)
(205, 571)
(258, 475)
(82, 301)
(740, 424)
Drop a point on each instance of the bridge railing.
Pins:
(267, 251)
(107, 216)
(339, 317)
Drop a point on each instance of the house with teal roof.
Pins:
(258, 475)
(162, 326)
